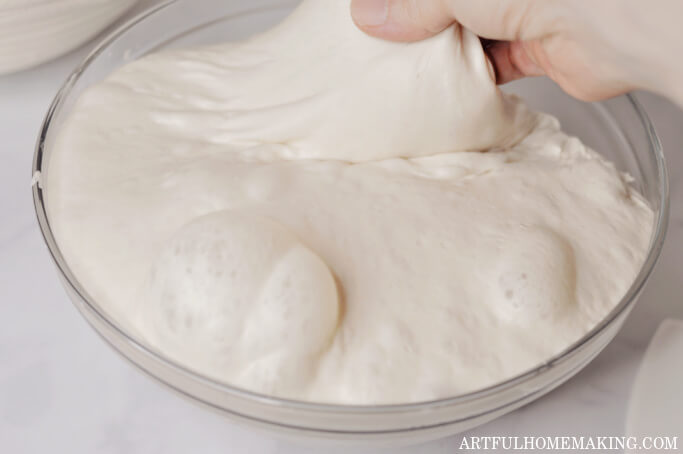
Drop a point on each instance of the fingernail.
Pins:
(370, 12)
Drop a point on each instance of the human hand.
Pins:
(592, 49)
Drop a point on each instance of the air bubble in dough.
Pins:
(233, 288)
(536, 278)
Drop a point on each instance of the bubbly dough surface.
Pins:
(339, 219)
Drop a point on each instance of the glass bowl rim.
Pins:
(654, 251)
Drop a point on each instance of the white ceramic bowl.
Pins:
(35, 31)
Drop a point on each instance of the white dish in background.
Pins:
(35, 31)
(656, 407)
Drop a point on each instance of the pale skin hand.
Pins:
(594, 49)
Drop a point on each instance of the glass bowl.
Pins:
(619, 128)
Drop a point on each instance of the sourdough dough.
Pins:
(320, 215)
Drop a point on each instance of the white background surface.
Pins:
(63, 390)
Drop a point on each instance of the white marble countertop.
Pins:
(63, 390)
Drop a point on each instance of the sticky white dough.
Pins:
(303, 215)
(537, 280)
(231, 289)
(318, 88)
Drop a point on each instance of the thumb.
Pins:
(517, 24)
(412, 20)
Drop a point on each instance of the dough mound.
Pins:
(232, 288)
(302, 214)
(319, 88)
(536, 277)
